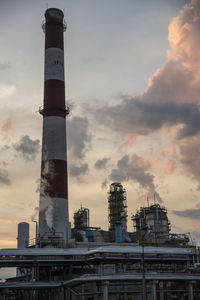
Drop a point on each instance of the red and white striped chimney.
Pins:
(53, 208)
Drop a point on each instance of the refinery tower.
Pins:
(53, 207)
(90, 263)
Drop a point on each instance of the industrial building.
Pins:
(84, 262)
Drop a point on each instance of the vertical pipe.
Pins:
(161, 284)
(82, 292)
(88, 217)
(118, 232)
(95, 289)
(154, 294)
(105, 290)
(144, 291)
(190, 288)
(53, 216)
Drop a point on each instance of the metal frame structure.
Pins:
(106, 271)
(117, 206)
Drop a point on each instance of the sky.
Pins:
(132, 84)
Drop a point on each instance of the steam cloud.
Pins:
(137, 170)
(34, 215)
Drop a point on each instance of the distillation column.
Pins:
(53, 215)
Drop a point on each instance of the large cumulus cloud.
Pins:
(172, 98)
(144, 117)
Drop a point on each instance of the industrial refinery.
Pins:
(75, 260)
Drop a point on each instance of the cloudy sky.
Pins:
(133, 85)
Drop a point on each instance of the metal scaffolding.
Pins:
(117, 206)
(81, 218)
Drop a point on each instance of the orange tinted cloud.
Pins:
(131, 139)
(165, 162)
(184, 38)
(7, 125)
(172, 131)
(179, 79)
(172, 88)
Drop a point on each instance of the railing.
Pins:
(54, 239)
(42, 110)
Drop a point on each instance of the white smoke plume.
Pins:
(135, 169)
(35, 213)
(49, 212)
(46, 204)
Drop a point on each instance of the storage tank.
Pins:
(23, 235)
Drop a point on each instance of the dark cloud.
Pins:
(101, 163)
(79, 137)
(137, 170)
(4, 177)
(77, 171)
(27, 147)
(142, 118)
(188, 213)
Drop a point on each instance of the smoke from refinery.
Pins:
(149, 260)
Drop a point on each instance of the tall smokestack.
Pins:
(53, 215)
